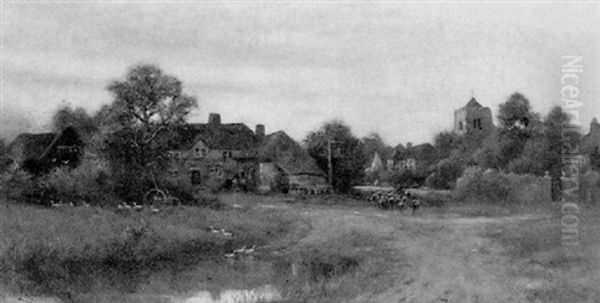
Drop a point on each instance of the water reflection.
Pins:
(205, 281)
(267, 293)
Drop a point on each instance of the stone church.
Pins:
(473, 118)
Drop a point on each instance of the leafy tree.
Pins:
(373, 143)
(77, 118)
(347, 153)
(445, 174)
(555, 135)
(147, 105)
(447, 143)
(518, 123)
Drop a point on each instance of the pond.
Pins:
(246, 280)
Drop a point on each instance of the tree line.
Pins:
(133, 133)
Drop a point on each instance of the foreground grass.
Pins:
(545, 269)
(41, 247)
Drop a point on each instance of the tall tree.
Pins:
(557, 136)
(347, 153)
(147, 104)
(446, 143)
(373, 143)
(77, 118)
(518, 123)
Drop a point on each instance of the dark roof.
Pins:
(38, 146)
(32, 146)
(473, 103)
(284, 151)
(233, 136)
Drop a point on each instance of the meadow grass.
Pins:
(43, 245)
(564, 273)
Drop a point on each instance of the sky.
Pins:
(397, 69)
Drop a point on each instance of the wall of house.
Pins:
(268, 174)
(215, 167)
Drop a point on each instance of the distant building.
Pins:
(216, 155)
(592, 139)
(376, 164)
(416, 159)
(473, 118)
(39, 153)
(285, 164)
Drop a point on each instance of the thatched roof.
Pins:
(281, 149)
(233, 136)
(31, 146)
(39, 146)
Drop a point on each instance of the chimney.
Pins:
(214, 119)
(260, 131)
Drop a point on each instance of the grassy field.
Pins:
(342, 249)
(41, 246)
(542, 267)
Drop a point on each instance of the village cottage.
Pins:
(285, 165)
(39, 153)
(216, 155)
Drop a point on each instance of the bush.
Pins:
(403, 178)
(15, 185)
(87, 182)
(445, 174)
(488, 185)
(493, 186)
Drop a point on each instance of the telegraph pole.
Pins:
(329, 163)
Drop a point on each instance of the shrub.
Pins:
(15, 185)
(590, 186)
(445, 174)
(497, 187)
(403, 178)
(87, 182)
(477, 184)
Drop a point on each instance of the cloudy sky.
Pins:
(399, 69)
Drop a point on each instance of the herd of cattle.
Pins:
(398, 199)
(383, 197)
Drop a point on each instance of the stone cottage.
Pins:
(216, 155)
(284, 163)
(39, 153)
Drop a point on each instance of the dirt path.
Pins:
(450, 259)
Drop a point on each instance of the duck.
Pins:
(250, 250)
(137, 207)
(154, 210)
(228, 234)
(230, 255)
(240, 250)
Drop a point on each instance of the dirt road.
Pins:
(449, 259)
(453, 258)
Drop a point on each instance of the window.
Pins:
(477, 124)
(195, 176)
(227, 154)
(460, 125)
